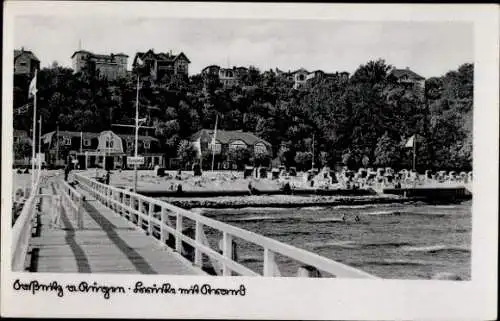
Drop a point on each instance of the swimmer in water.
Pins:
(357, 219)
(343, 217)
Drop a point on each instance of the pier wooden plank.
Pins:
(108, 243)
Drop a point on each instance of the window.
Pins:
(260, 148)
(23, 64)
(130, 144)
(66, 140)
(109, 142)
(237, 144)
(216, 148)
(86, 142)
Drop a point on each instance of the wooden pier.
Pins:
(97, 228)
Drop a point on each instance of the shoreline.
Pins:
(286, 201)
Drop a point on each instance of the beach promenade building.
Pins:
(90, 148)
(25, 62)
(227, 140)
(110, 66)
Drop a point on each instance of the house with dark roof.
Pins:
(90, 148)
(225, 140)
(110, 66)
(162, 64)
(25, 62)
(409, 79)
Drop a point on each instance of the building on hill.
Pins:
(409, 79)
(25, 62)
(227, 77)
(110, 66)
(227, 140)
(161, 65)
(89, 148)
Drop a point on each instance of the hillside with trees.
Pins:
(362, 121)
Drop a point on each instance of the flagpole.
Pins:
(136, 131)
(414, 151)
(40, 143)
(34, 134)
(213, 141)
(312, 169)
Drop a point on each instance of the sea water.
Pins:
(393, 241)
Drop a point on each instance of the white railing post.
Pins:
(227, 251)
(150, 216)
(131, 212)
(270, 267)
(80, 212)
(178, 229)
(198, 231)
(140, 209)
(163, 234)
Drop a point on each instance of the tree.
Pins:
(22, 149)
(186, 152)
(303, 160)
(239, 156)
(260, 158)
(387, 151)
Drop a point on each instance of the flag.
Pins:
(32, 89)
(410, 142)
(23, 109)
(139, 62)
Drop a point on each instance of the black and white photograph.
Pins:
(226, 147)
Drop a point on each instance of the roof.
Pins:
(227, 136)
(19, 53)
(300, 70)
(48, 136)
(99, 56)
(210, 67)
(398, 73)
(161, 56)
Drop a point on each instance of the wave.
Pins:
(326, 220)
(385, 213)
(437, 248)
(314, 208)
(337, 244)
(385, 244)
(267, 218)
(387, 262)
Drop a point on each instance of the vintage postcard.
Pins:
(257, 161)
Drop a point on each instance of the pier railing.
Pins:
(72, 201)
(156, 216)
(22, 229)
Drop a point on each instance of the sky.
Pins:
(428, 48)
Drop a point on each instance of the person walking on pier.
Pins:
(67, 169)
(108, 175)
